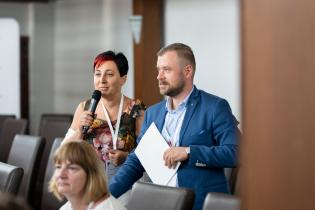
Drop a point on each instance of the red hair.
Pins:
(119, 59)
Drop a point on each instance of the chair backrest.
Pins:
(220, 201)
(51, 126)
(51, 129)
(156, 197)
(232, 176)
(4, 117)
(53, 118)
(48, 200)
(10, 178)
(25, 153)
(236, 190)
(234, 180)
(10, 128)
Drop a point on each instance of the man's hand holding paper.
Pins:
(173, 155)
(151, 150)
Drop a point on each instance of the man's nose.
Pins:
(160, 75)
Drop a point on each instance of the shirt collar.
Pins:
(181, 105)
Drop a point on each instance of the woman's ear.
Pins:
(123, 80)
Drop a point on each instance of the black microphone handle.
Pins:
(92, 109)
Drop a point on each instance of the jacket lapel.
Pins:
(191, 107)
(161, 118)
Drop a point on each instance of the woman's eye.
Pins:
(73, 167)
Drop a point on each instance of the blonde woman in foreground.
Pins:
(79, 177)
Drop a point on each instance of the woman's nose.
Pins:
(103, 79)
(61, 172)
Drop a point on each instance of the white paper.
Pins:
(150, 152)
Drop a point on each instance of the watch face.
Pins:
(188, 150)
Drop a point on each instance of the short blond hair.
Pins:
(82, 154)
(184, 54)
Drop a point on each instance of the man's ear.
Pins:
(188, 71)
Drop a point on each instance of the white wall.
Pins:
(35, 21)
(83, 29)
(211, 29)
(9, 67)
(65, 36)
(41, 68)
(20, 12)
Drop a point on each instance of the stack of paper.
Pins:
(150, 152)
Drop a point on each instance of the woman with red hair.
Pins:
(117, 120)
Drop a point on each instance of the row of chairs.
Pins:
(143, 195)
(18, 176)
(34, 163)
(156, 197)
(40, 198)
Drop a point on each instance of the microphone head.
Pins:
(96, 95)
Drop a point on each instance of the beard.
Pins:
(172, 90)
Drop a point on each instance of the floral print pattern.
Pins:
(101, 138)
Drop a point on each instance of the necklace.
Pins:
(114, 134)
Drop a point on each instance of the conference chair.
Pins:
(220, 201)
(25, 153)
(51, 126)
(232, 176)
(49, 201)
(45, 118)
(10, 128)
(156, 197)
(4, 117)
(236, 189)
(10, 178)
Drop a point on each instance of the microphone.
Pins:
(96, 96)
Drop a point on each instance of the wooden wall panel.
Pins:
(278, 91)
(146, 85)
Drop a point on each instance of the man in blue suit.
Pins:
(199, 127)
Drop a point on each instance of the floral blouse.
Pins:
(101, 138)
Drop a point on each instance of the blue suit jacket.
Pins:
(209, 129)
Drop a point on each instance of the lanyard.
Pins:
(114, 134)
